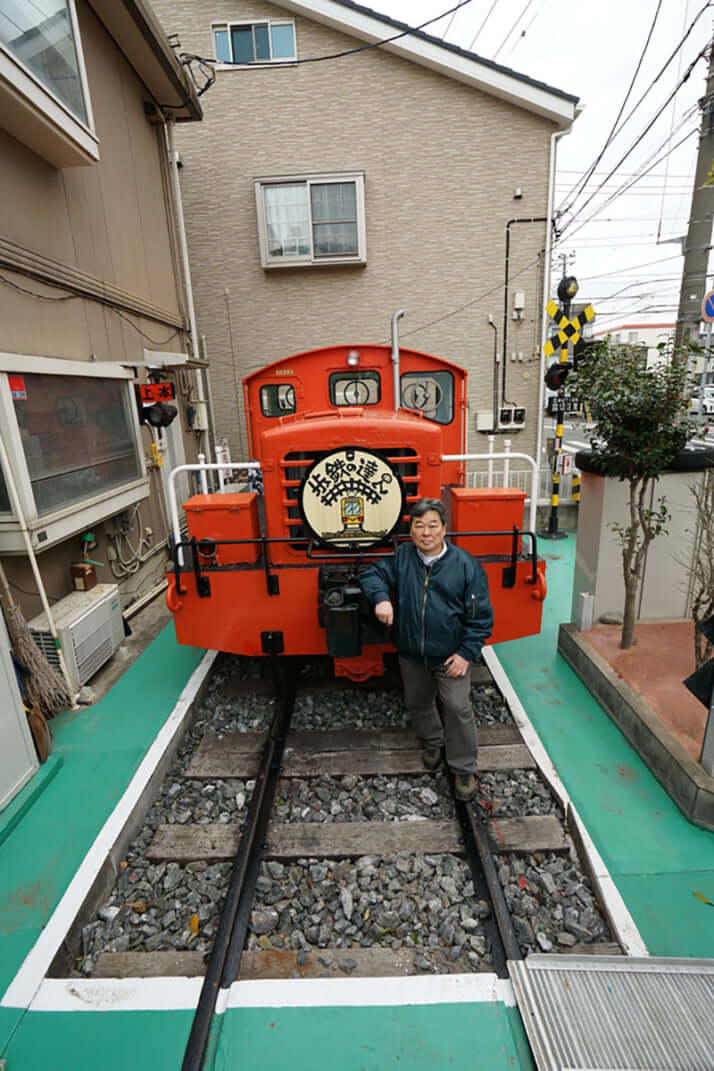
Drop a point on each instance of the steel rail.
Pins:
(245, 871)
(504, 943)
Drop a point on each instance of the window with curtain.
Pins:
(40, 35)
(255, 42)
(311, 220)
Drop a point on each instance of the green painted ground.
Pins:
(96, 752)
(480, 1037)
(86, 1041)
(657, 858)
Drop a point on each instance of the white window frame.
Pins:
(269, 263)
(234, 24)
(31, 112)
(51, 528)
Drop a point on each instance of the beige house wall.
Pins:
(113, 221)
(441, 162)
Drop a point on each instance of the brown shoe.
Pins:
(431, 757)
(464, 787)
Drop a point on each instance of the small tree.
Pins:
(641, 423)
(702, 577)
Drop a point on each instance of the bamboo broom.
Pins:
(44, 684)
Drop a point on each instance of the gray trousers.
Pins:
(422, 687)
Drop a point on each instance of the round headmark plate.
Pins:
(352, 499)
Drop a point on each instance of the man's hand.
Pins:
(384, 612)
(456, 666)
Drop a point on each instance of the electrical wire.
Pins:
(639, 138)
(407, 32)
(523, 33)
(500, 47)
(680, 82)
(78, 297)
(488, 16)
(468, 304)
(671, 128)
(33, 293)
(614, 197)
(582, 182)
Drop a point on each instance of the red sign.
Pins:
(151, 393)
(17, 387)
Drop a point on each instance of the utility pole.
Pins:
(699, 233)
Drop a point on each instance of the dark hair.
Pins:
(424, 505)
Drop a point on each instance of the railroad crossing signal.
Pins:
(568, 330)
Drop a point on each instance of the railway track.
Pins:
(389, 894)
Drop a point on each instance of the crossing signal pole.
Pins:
(568, 331)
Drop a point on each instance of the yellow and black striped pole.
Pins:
(568, 331)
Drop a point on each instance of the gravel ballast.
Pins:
(402, 901)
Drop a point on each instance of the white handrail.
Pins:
(502, 457)
(214, 466)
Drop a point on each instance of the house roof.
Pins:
(139, 34)
(454, 62)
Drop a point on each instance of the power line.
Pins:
(500, 47)
(188, 56)
(613, 197)
(78, 297)
(582, 183)
(474, 301)
(488, 16)
(645, 94)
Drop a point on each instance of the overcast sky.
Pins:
(591, 48)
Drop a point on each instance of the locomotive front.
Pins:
(341, 465)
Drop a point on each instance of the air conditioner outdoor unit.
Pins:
(89, 627)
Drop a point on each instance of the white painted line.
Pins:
(577, 443)
(160, 994)
(626, 930)
(28, 979)
(116, 994)
(377, 992)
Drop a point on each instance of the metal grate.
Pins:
(601, 1013)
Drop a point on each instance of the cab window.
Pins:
(429, 393)
(355, 388)
(277, 399)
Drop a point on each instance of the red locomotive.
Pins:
(346, 439)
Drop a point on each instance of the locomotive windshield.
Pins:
(355, 388)
(277, 399)
(430, 393)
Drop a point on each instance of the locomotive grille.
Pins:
(404, 460)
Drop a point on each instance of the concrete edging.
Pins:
(681, 777)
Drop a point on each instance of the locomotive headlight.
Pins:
(353, 358)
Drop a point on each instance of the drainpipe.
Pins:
(395, 356)
(20, 514)
(546, 287)
(205, 445)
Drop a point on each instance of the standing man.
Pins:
(435, 597)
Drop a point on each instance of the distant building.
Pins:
(647, 336)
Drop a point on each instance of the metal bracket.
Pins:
(272, 642)
(508, 578)
(203, 584)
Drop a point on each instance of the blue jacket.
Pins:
(439, 610)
